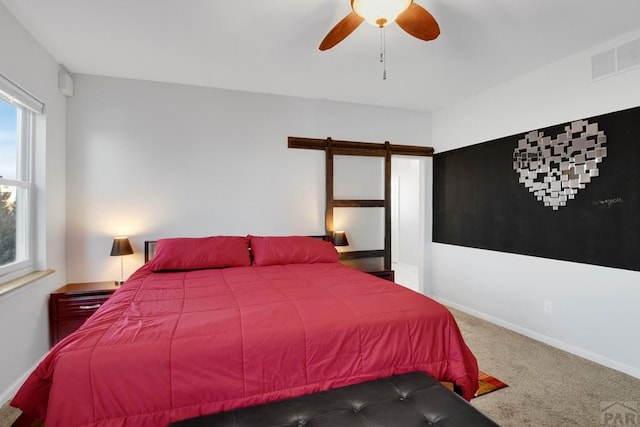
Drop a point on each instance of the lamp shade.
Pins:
(340, 238)
(121, 246)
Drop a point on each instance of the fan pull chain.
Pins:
(383, 51)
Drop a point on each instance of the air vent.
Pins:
(603, 64)
(629, 55)
(615, 60)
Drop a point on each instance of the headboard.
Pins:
(150, 247)
(149, 250)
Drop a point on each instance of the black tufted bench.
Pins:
(407, 400)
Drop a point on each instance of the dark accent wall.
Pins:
(480, 203)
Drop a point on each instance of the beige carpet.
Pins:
(8, 415)
(547, 387)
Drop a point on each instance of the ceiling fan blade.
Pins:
(341, 30)
(419, 23)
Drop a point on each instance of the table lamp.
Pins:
(340, 238)
(121, 246)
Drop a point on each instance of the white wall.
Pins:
(153, 160)
(23, 313)
(358, 177)
(595, 309)
(407, 171)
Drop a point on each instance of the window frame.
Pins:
(27, 108)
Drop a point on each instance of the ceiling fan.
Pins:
(412, 18)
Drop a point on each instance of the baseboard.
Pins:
(585, 354)
(8, 394)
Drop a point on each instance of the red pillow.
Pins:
(291, 250)
(195, 253)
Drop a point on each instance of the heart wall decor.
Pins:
(555, 169)
(585, 170)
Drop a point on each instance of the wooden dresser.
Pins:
(73, 303)
(374, 265)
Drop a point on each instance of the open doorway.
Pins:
(407, 220)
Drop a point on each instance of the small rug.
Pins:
(487, 384)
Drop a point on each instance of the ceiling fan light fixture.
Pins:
(380, 12)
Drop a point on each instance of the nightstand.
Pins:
(374, 265)
(73, 303)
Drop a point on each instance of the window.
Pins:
(17, 115)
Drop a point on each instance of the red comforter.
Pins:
(170, 346)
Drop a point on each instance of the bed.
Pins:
(218, 323)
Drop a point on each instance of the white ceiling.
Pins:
(271, 46)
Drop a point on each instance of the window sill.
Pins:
(21, 281)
